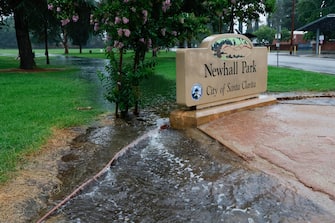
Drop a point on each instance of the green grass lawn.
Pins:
(287, 80)
(32, 103)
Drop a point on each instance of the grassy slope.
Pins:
(32, 103)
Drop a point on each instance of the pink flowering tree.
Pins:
(68, 11)
(130, 24)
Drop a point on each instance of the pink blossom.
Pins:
(142, 40)
(233, 2)
(126, 32)
(166, 5)
(75, 18)
(163, 31)
(96, 26)
(117, 20)
(145, 13)
(65, 21)
(58, 9)
(120, 32)
(108, 49)
(50, 6)
(125, 20)
(174, 33)
(118, 44)
(125, 1)
(145, 16)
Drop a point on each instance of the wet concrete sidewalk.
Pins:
(294, 140)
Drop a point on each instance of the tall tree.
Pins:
(79, 31)
(41, 24)
(308, 10)
(229, 11)
(74, 20)
(282, 15)
(20, 9)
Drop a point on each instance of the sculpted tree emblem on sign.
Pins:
(231, 48)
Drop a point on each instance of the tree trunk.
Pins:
(65, 42)
(46, 42)
(23, 41)
(231, 25)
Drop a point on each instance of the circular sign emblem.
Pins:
(196, 92)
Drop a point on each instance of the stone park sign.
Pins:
(225, 68)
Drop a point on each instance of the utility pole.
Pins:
(292, 25)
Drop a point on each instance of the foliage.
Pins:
(136, 25)
(243, 10)
(265, 34)
(80, 31)
(20, 10)
(74, 17)
(282, 15)
(124, 89)
(192, 27)
(309, 11)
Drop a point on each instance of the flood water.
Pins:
(183, 176)
(173, 176)
(88, 72)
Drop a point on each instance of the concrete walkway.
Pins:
(295, 141)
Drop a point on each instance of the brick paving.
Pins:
(295, 139)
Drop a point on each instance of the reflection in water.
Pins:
(88, 72)
(172, 177)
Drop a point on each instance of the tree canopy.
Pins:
(184, 22)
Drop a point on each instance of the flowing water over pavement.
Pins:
(184, 176)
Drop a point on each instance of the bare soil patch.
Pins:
(27, 193)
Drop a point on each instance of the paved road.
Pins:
(305, 62)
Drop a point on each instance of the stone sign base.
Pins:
(182, 119)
